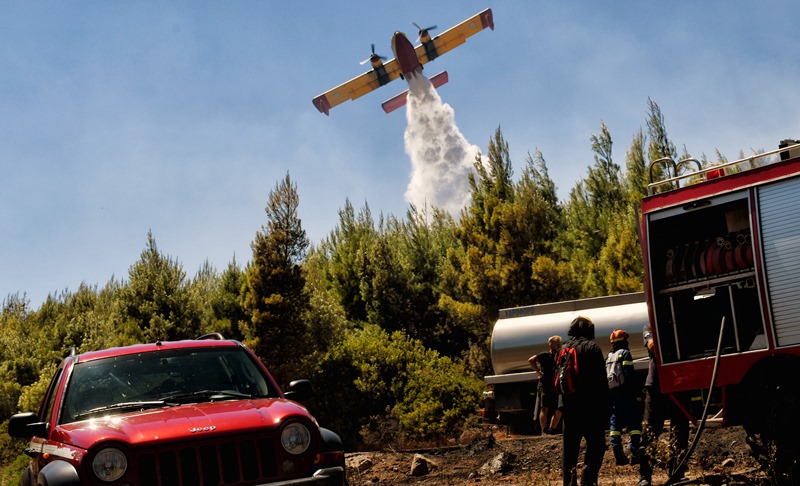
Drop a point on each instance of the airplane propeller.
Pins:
(370, 58)
(421, 30)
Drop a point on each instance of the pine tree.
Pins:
(157, 297)
(636, 175)
(275, 297)
(540, 217)
(226, 303)
(620, 260)
(481, 228)
(592, 205)
(659, 146)
(346, 251)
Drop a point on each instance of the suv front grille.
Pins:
(220, 463)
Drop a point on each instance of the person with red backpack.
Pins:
(585, 400)
(625, 399)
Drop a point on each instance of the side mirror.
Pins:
(299, 391)
(26, 425)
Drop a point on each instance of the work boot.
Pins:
(645, 470)
(588, 477)
(570, 477)
(619, 457)
(676, 474)
(633, 448)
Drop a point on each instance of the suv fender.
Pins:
(331, 442)
(58, 473)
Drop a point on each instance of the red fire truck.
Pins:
(722, 260)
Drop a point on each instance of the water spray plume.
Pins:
(441, 158)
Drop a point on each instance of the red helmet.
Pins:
(618, 335)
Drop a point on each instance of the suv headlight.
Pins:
(295, 438)
(109, 464)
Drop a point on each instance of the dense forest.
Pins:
(390, 319)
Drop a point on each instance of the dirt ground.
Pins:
(721, 457)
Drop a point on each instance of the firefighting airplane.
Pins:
(407, 63)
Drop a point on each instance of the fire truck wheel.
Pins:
(771, 420)
(775, 446)
(787, 449)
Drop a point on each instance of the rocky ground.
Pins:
(493, 457)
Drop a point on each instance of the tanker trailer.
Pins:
(510, 397)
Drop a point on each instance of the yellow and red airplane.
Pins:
(407, 63)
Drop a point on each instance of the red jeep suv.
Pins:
(182, 413)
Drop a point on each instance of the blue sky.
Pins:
(119, 118)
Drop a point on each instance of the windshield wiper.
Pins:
(125, 406)
(210, 395)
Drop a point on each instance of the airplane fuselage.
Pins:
(406, 55)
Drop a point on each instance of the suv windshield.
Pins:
(160, 379)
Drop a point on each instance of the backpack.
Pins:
(614, 371)
(567, 376)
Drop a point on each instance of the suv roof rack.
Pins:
(213, 335)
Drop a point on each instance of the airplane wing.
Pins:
(356, 87)
(455, 36)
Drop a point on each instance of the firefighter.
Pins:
(657, 408)
(624, 398)
(585, 411)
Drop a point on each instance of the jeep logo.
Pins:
(203, 429)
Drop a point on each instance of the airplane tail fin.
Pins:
(400, 100)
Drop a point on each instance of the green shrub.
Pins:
(377, 389)
(12, 459)
(32, 395)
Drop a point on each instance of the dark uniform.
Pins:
(547, 390)
(585, 412)
(657, 408)
(624, 401)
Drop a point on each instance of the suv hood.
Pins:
(183, 422)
